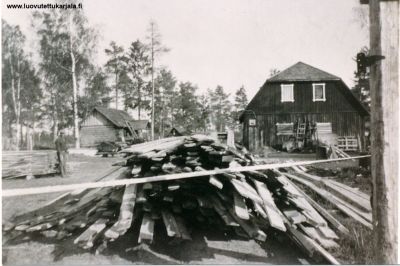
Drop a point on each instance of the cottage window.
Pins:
(287, 93)
(319, 92)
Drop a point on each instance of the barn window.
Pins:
(287, 93)
(319, 92)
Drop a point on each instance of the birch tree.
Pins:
(21, 92)
(72, 44)
(13, 64)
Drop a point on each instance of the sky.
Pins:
(228, 42)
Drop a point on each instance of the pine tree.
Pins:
(221, 109)
(115, 64)
(138, 67)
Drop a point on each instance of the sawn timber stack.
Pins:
(251, 204)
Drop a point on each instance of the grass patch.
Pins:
(357, 247)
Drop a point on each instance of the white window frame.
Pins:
(323, 92)
(287, 86)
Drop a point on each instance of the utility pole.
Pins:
(384, 82)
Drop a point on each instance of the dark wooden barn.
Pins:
(106, 124)
(302, 94)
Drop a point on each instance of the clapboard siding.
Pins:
(93, 135)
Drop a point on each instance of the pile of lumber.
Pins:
(29, 163)
(249, 203)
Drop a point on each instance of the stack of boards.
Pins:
(29, 163)
(251, 204)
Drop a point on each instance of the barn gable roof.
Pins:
(302, 72)
(119, 118)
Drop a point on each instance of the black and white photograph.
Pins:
(208, 132)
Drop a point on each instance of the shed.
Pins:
(176, 131)
(302, 94)
(107, 124)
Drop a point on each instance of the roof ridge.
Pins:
(301, 71)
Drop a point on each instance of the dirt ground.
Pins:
(207, 247)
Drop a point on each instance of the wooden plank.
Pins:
(251, 229)
(184, 232)
(351, 189)
(274, 214)
(162, 144)
(294, 216)
(246, 190)
(89, 236)
(311, 214)
(259, 209)
(213, 180)
(365, 215)
(146, 233)
(312, 232)
(311, 246)
(125, 215)
(332, 220)
(170, 224)
(222, 211)
(240, 207)
(327, 232)
(346, 193)
(349, 196)
(329, 197)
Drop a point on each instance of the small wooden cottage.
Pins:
(302, 94)
(176, 131)
(106, 124)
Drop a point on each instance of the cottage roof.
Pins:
(140, 124)
(302, 72)
(119, 118)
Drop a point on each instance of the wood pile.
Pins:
(251, 203)
(29, 163)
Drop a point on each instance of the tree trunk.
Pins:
(139, 101)
(152, 90)
(74, 89)
(54, 115)
(18, 106)
(384, 40)
(15, 99)
(116, 89)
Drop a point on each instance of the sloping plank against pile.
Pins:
(358, 215)
(344, 191)
(126, 215)
(332, 220)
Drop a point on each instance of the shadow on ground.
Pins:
(208, 246)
